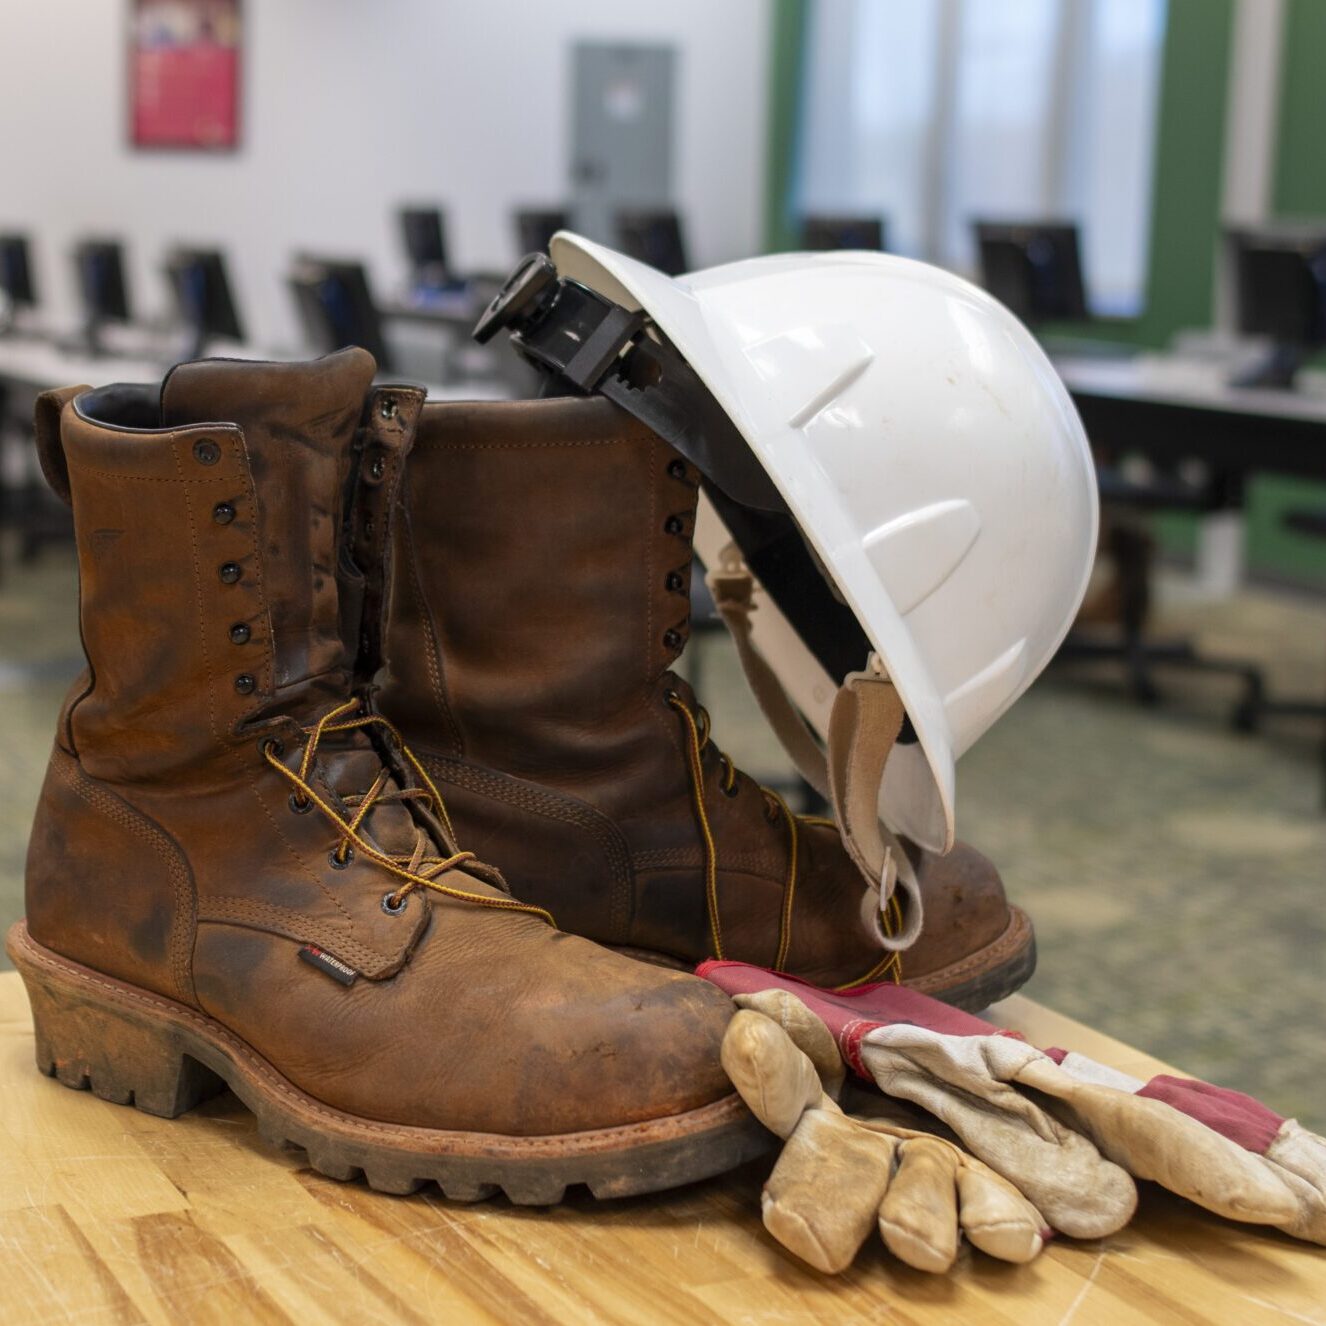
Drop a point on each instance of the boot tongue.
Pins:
(299, 423)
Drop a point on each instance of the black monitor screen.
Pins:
(826, 233)
(654, 237)
(101, 280)
(16, 269)
(1280, 288)
(1035, 268)
(203, 295)
(425, 242)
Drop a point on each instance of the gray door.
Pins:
(621, 133)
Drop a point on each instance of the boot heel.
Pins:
(91, 1042)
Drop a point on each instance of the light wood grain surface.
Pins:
(109, 1215)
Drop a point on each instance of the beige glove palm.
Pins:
(838, 1176)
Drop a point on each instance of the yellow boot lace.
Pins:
(422, 867)
(698, 734)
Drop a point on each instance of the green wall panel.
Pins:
(1190, 149)
(786, 71)
(1300, 162)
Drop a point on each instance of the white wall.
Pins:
(351, 107)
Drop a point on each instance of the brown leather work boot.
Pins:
(541, 595)
(237, 875)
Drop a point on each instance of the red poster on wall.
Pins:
(184, 74)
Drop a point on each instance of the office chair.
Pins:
(824, 234)
(1311, 523)
(536, 226)
(654, 236)
(336, 307)
(1125, 602)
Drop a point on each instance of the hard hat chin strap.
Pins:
(864, 724)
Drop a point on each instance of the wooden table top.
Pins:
(109, 1215)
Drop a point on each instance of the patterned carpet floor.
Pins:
(1175, 869)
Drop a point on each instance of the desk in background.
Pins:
(1170, 410)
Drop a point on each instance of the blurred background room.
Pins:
(1142, 181)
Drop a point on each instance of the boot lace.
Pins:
(421, 868)
(699, 740)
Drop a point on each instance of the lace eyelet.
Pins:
(338, 861)
(300, 804)
(272, 746)
(672, 639)
(731, 791)
(671, 697)
(673, 525)
(400, 905)
(674, 581)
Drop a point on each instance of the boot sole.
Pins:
(973, 983)
(132, 1047)
(990, 974)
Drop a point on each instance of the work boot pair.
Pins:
(241, 875)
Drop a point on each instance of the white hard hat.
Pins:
(931, 460)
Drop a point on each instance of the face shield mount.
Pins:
(579, 338)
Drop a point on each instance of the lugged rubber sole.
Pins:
(132, 1047)
(973, 983)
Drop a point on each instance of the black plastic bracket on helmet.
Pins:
(573, 333)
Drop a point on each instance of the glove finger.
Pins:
(1299, 1158)
(824, 1193)
(808, 1033)
(1153, 1140)
(996, 1217)
(1061, 1172)
(773, 1077)
(918, 1216)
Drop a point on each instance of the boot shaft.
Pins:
(541, 593)
(232, 530)
(208, 521)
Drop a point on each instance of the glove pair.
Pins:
(1061, 1136)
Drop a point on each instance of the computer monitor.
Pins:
(653, 236)
(424, 232)
(1279, 283)
(99, 264)
(203, 296)
(535, 227)
(827, 233)
(336, 306)
(16, 270)
(1034, 268)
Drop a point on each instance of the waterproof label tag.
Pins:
(324, 962)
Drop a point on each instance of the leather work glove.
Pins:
(838, 1176)
(1066, 1131)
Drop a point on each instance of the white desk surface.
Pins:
(1171, 380)
(38, 364)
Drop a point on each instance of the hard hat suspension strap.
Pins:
(863, 729)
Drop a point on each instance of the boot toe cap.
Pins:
(623, 1043)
